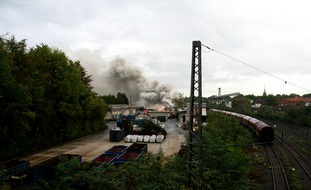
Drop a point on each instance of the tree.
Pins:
(241, 104)
(293, 95)
(112, 99)
(45, 99)
(139, 174)
(307, 95)
(271, 100)
(121, 98)
(225, 162)
(15, 100)
(87, 79)
(180, 102)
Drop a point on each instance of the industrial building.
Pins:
(116, 109)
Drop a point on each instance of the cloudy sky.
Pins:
(258, 44)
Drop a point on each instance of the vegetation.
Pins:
(241, 104)
(45, 99)
(145, 173)
(150, 128)
(112, 99)
(299, 115)
(227, 164)
(180, 102)
(271, 108)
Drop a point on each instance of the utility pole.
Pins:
(195, 128)
(130, 103)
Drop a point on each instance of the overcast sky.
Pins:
(156, 36)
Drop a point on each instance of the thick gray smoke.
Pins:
(122, 76)
(127, 78)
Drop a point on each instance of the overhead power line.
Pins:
(265, 72)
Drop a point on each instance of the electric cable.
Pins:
(226, 55)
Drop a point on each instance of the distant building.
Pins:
(294, 101)
(160, 115)
(204, 111)
(256, 105)
(224, 99)
(116, 109)
(181, 115)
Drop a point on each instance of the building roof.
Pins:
(296, 100)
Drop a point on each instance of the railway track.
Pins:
(302, 161)
(303, 147)
(303, 134)
(292, 144)
(279, 178)
(288, 152)
(296, 136)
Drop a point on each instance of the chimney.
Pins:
(219, 91)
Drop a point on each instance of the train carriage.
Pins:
(245, 120)
(252, 123)
(263, 132)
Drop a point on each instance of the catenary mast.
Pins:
(195, 123)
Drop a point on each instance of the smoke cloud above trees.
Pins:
(119, 75)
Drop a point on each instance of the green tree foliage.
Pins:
(149, 127)
(271, 100)
(293, 95)
(226, 163)
(112, 99)
(268, 113)
(241, 104)
(15, 100)
(152, 171)
(298, 115)
(180, 102)
(121, 98)
(271, 108)
(45, 99)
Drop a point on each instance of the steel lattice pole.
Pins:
(195, 123)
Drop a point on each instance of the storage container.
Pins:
(146, 138)
(14, 167)
(160, 138)
(139, 147)
(55, 167)
(116, 135)
(104, 158)
(103, 161)
(118, 149)
(152, 138)
(129, 155)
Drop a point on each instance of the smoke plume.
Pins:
(124, 77)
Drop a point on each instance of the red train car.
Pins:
(263, 131)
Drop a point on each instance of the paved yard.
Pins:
(92, 146)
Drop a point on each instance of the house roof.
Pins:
(296, 100)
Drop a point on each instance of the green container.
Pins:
(116, 135)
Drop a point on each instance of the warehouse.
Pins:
(160, 115)
(116, 109)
